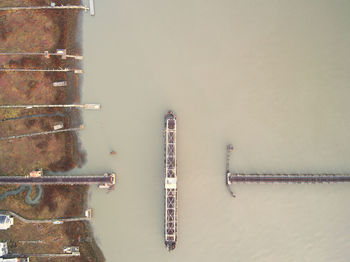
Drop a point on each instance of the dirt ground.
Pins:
(39, 31)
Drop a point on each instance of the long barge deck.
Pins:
(170, 184)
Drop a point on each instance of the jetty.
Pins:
(232, 177)
(73, 129)
(287, 178)
(64, 70)
(103, 181)
(82, 106)
(57, 221)
(59, 52)
(53, 6)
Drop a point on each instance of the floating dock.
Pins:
(170, 185)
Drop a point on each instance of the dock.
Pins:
(82, 106)
(287, 178)
(107, 180)
(76, 71)
(59, 52)
(11, 138)
(47, 221)
(235, 178)
(53, 6)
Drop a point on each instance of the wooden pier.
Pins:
(47, 221)
(59, 52)
(287, 178)
(76, 71)
(53, 6)
(83, 106)
(46, 7)
(42, 133)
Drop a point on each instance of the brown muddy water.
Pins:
(270, 77)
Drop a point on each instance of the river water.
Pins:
(270, 77)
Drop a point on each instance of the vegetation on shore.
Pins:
(39, 31)
(56, 203)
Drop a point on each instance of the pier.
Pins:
(104, 181)
(85, 8)
(82, 106)
(278, 178)
(87, 217)
(76, 71)
(287, 178)
(10, 138)
(48, 7)
(59, 52)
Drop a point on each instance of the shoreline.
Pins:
(44, 30)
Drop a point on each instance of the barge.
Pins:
(170, 183)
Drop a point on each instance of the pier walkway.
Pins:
(91, 8)
(286, 178)
(76, 71)
(107, 180)
(278, 178)
(50, 255)
(42, 133)
(83, 106)
(58, 7)
(51, 220)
